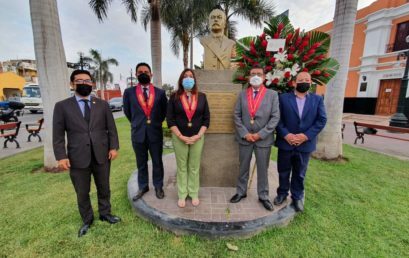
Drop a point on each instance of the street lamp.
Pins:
(399, 119)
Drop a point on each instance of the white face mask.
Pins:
(256, 81)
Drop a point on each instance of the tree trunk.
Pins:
(191, 49)
(330, 140)
(156, 43)
(51, 65)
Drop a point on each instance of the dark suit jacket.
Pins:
(311, 122)
(176, 115)
(134, 112)
(101, 134)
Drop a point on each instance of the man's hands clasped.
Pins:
(296, 139)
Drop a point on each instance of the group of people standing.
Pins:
(92, 140)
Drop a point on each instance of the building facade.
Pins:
(377, 61)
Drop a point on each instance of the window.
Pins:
(401, 34)
(363, 86)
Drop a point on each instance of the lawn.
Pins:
(356, 209)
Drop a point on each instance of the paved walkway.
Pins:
(23, 134)
(397, 148)
(392, 147)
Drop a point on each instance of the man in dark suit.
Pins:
(302, 118)
(145, 107)
(92, 142)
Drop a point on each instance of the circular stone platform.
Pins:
(215, 217)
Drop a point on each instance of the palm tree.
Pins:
(51, 65)
(184, 19)
(255, 11)
(330, 139)
(100, 66)
(100, 7)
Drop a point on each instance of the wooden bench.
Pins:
(359, 130)
(10, 131)
(34, 130)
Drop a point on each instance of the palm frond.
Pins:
(100, 8)
(131, 8)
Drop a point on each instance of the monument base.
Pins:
(220, 157)
(215, 217)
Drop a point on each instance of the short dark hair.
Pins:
(78, 71)
(143, 64)
(256, 66)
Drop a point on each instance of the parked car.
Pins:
(116, 104)
(32, 98)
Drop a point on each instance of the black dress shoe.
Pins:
(279, 199)
(236, 198)
(140, 193)
(298, 205)
(110, 218)
(159, 193)
(267, 204)
(84, 229)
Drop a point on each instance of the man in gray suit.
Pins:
(92, 142)
(256, 116)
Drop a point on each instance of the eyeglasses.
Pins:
(83, 81)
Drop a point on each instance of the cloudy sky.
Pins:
(118, 37)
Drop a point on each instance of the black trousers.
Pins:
(81, 179)
(155, 150)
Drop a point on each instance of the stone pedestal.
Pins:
(220, 158)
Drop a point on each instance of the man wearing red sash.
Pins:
(145, 107)
(256, 115)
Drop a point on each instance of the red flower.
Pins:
(287, 75)
(242, 65)
(272, 60)
(241, 78)
(304, 43)
(268, 53)
(262, 36)
(327, 75)
(289, 36)
(311, 51)
(316, 72)
(291, 49)
(305, 70)
(264, 43)
(280, 27)
(290, 57)
(268, 68)
(319, 57)
(276, 35)
(275, 81)
(305, 58)
(316, 45)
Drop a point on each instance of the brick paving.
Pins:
(214, 201)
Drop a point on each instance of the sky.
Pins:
(128, 42)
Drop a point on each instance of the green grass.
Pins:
(356, 209)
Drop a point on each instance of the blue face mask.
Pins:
(188, 83)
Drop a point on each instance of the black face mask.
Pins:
(83, 89)
(143, 78)
(303, 87)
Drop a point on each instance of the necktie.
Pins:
(145, 93)
(87, 111)
(255, 93)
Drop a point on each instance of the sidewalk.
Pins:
(392, 147)
(397, 148)
(22, 139)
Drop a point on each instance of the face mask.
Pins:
(188, 83)
(302, 87)
(143, 78)
(83, 89)
(256, 81)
